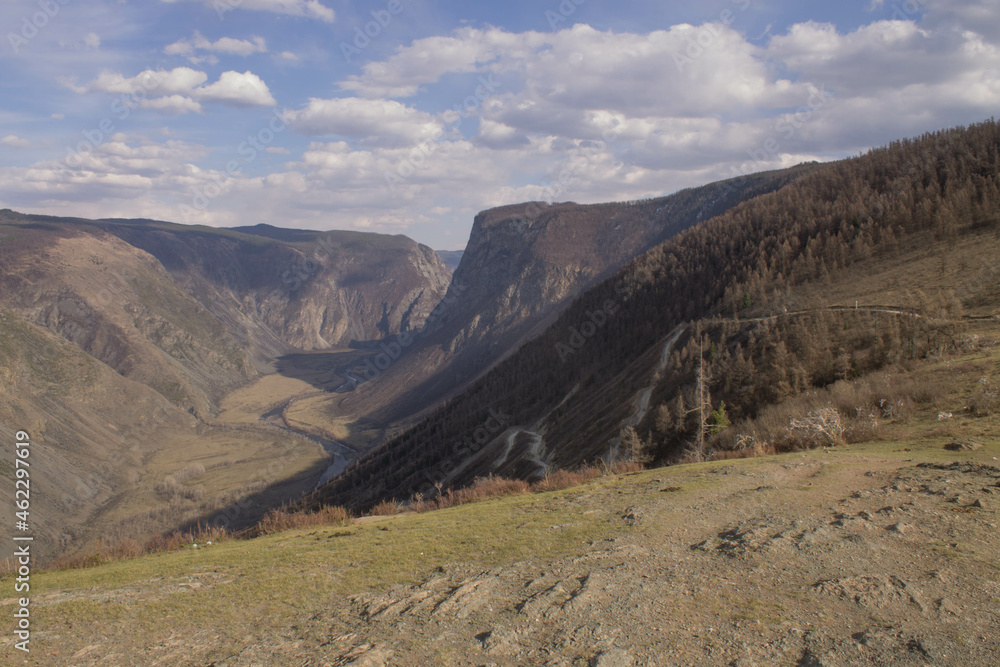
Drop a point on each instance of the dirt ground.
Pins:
(902, 569)
(819, 559)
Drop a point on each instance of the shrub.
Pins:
(818, 428)
(277, 521)
(986, 400)
(564, 479)
(386, 508)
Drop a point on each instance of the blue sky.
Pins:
(237, 112)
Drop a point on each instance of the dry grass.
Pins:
(124, 549)
(482, 489)
(281, 520)
(277, 521)
(564, 479)
(496, 487)
(387, 508)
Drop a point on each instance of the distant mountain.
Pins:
(523, 265)
(764, 295)
(451, 258)
(298, 289)
(119, 338)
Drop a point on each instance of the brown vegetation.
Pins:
(280, 520)
(742, 265)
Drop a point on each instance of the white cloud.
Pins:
(289, 56)
(182, 89)
(562, 74)
(246, 89)
(172, 104)
(91, 42)
(306, 8)
(978, 16)
(427, 60)
(497, 135)
(121, 168)
(674, 116)
(181, 80)
(189, 48)
(14, 141)
(375, 122)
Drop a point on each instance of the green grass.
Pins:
(285, 576)
(277, 576)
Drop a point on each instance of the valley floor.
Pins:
(882, 554)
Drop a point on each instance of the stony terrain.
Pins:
(901, 571)
(880, 554)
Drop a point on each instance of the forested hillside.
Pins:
(523, 265)
(833, 227)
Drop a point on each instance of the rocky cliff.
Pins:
(524, 264)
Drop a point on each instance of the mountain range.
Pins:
(174, 375)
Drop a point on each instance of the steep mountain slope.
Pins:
(122, 338)
(119, 305)
(522, 266)
(564, 397)
(91, 429)
(113, 460)
(190, 311)
(524, 262)
(298, 289)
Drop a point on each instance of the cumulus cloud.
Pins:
(306, 8)
(177, 80)
(190, 48)
(378, 122)
(499, 136)
(427, 60)
(171, 104)
(182, 89)
(560, 76)
(122, 167)
(14, 141)
(578, 114)
(245, 90)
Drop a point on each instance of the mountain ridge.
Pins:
(744, 261)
